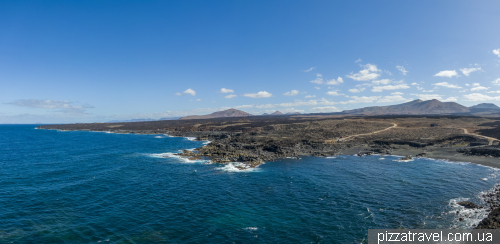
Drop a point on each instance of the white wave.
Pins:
(158, 136)
(191, 138)
(177, 157)
(206, 143)
(464, 218)
(232, 167)
(485, 179)
(251, 228)
(331, 157)
(381, 158)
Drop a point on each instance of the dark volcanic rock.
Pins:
(490, 222)
(468, 204)
(406, 158)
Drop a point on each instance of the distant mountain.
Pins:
(289, 113)
(141, 120)
(277, 113)
(485, 106)
(221, 114)
(414, 107)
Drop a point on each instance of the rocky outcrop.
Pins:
(486, 151)
(468, 204)
(406, 158)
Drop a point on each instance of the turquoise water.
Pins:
(91, 187)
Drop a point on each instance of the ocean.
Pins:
(95, 187)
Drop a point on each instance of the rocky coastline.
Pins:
(252, 141)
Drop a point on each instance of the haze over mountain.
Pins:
(414, 107)
(221, 114)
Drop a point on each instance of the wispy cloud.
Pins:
(447, 73)
(231, 96)
(328, 109)
(356, 90)
(309, 70)
(496, 82)
(224, 90)
(261, 94)
(63, 106)
(370, 72)
(391, 99)
(334, 93)
(402, 69)
(390, 87)
(478, 97)
(467, 71)
(291, 93)
(446, 84)
(335, 82)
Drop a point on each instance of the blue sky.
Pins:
(95, 61)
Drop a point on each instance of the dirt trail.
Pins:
(371, 133)
(490, 139)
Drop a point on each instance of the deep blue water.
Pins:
(91, 187)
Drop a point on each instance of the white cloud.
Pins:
(291, 93)
(64, 106)
(224, 90)
(324, 101)
(260, 94)
(334, 93)
(447, 73)
(402, 69)
(356, 90)
(335, 82)
(428, 91)
(230, 96)
(318, 80)
(299, 103)
(496, 82)
(478, 97)
(426, 97)
(308, 70)
(497, 52)
(328, 109)
(317, 88)
(414, 84)
(479, 88)
(190, 91)
(178, 94)
(390, 87)
(198, 99)
(381, 82)
(309, 96)
(359, 60)
(370, 72)
(390, 99)
(493, 92)
(450, 99)
(467, 71)
(446, 84)
(362, 99)
(397, 93)
(265, 106)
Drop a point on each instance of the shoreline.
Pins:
(445, 153)
(439, 153)
(435, 153)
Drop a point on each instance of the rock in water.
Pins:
(468, 204)
(406, 158)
